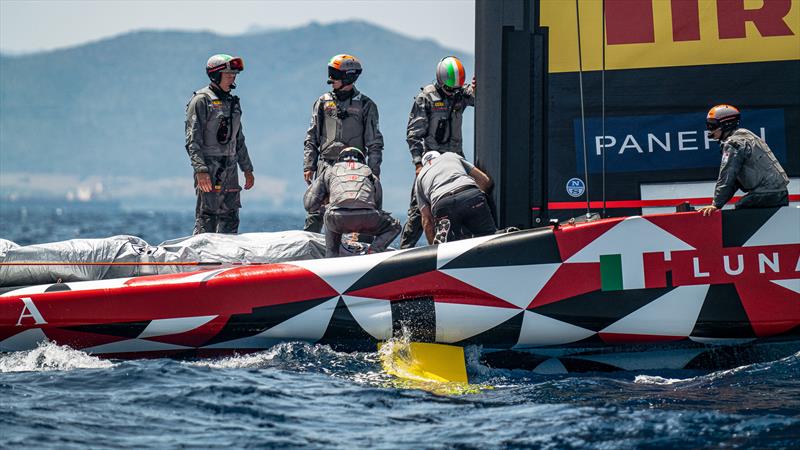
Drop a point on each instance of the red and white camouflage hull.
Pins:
(673, 281)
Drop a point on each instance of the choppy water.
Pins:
(305, 396)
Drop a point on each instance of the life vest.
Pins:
(351, 186)
(445, 118)
(343, 124)
(222, 124)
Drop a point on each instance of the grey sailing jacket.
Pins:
(431, 107)
(204, 113)
(747, 164)
(336, 125)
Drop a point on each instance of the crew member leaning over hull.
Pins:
(340, 119)
(435, 124)
(215, 143)
(355, 198)
(747, 164)
(450, 193)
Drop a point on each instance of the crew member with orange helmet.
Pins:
(747, 164)
(340, 119)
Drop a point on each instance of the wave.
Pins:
(773, 369)
(295, 356)
(50, 356)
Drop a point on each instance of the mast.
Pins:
(511, 110)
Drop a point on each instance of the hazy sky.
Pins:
(31, 25)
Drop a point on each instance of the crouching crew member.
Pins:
(215, 143)
(435, 124)
(747, 164)
(339, 119)
(355, 198)
(450, 193)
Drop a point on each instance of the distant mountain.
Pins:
(112, 111)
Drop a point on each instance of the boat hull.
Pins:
(633, 285)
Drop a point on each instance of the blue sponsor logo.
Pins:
(575, 187)
(668, 142)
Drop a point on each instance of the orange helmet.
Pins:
(345, 68)
(723, 116)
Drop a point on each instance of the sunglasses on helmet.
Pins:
(234, 65)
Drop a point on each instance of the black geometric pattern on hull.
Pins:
(504, 335)
(590, 342)
(407, 264)
(57, 288)
(597, 310)
(723, 315)
(739, 225)
(515, 249)
(261, 319)
(414, 316)
(345, 334)
(511, 359)
(128, 330)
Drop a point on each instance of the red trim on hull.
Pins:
(442, 287)
(618, 204)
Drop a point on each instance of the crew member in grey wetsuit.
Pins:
(450, 194)
(339, 119)
(747, 164)
(435, 124)
(215, 143)
(354, 197)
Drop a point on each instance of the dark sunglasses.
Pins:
(236, 64)
(335, 74)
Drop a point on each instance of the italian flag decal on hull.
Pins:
(611, 272)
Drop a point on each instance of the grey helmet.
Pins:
(352, 154)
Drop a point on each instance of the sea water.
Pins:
(297, 395)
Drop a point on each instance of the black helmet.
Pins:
(345, 68)
(723, 116)
(220, 63)
(352, 154)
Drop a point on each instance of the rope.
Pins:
(583, 114)
(603, 103)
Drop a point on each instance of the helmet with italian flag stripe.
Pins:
(450, 73)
